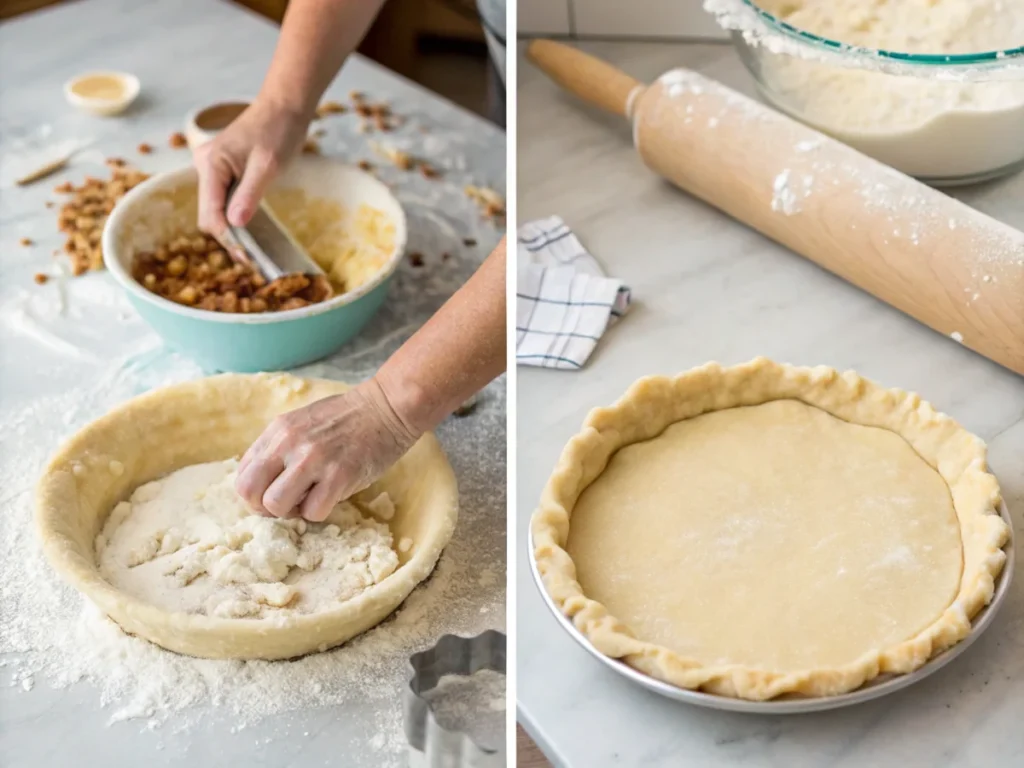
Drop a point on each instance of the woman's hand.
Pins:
(308, 460)
(251, 150)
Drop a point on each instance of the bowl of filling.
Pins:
(933, 88)
(226, 315)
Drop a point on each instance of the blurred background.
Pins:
(441, 44)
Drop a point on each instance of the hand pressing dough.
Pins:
(200, 576)
(764, 529)
(189, 543)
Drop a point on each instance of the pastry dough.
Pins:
(211, 420)
(189, 543)
(764, 529)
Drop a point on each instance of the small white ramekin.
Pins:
(103, 107)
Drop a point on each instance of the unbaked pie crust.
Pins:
(214, 419)
(764, 529)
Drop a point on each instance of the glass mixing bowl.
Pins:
(945, 119)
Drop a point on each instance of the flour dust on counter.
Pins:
(50, 636)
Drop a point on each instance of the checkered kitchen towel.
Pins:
(564, 300)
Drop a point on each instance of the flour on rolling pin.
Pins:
(812, 165)
(943, 263)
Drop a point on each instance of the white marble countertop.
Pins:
(73, 348)
(706, 288)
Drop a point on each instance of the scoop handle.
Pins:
(591, 79)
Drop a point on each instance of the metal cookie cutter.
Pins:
(432, 745)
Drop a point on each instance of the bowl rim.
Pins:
(132, 82)
(168, 178)
(952, 60)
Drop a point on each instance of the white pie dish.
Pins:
(793, 704)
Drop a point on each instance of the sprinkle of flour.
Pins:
(50, 636)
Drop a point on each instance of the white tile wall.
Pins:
(544, 17)
(617, 18)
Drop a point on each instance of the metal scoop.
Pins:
(268, 246)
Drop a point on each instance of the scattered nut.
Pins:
(64, 188)
(177, 140)
(365, 165)
(428, 171)
(145, 149)
(40, 278)
(116, 162)
(491, 204)
(310, 147)
(331, 108)
(83, 216)
(469, 242)
(445, 256)
(25, 242)
(416, 259)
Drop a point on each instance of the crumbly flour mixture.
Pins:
(189, 543)
(910, 122)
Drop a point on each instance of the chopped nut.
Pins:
(445, 256)
(428, 171)
(64, 188)
(25, 242)
(177, 266)
(469, 242)
(416, 259)
(400, 159)
(331, 108)
(310, 147)
(82, 217)
(490, 202)
(356, 96)
(116, 162)
(145, 149)
(365, 165)
(193, 270)
(177, 140)
(40, 278)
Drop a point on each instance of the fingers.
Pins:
(214, 179)
(287, 491)
(259, 172)
(322, 497)
(252, 484)
(255, 450)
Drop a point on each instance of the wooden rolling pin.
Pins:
(940, 261)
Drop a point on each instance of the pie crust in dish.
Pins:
(214, 419)
(764, 529)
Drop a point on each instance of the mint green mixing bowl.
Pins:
(165, 206)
